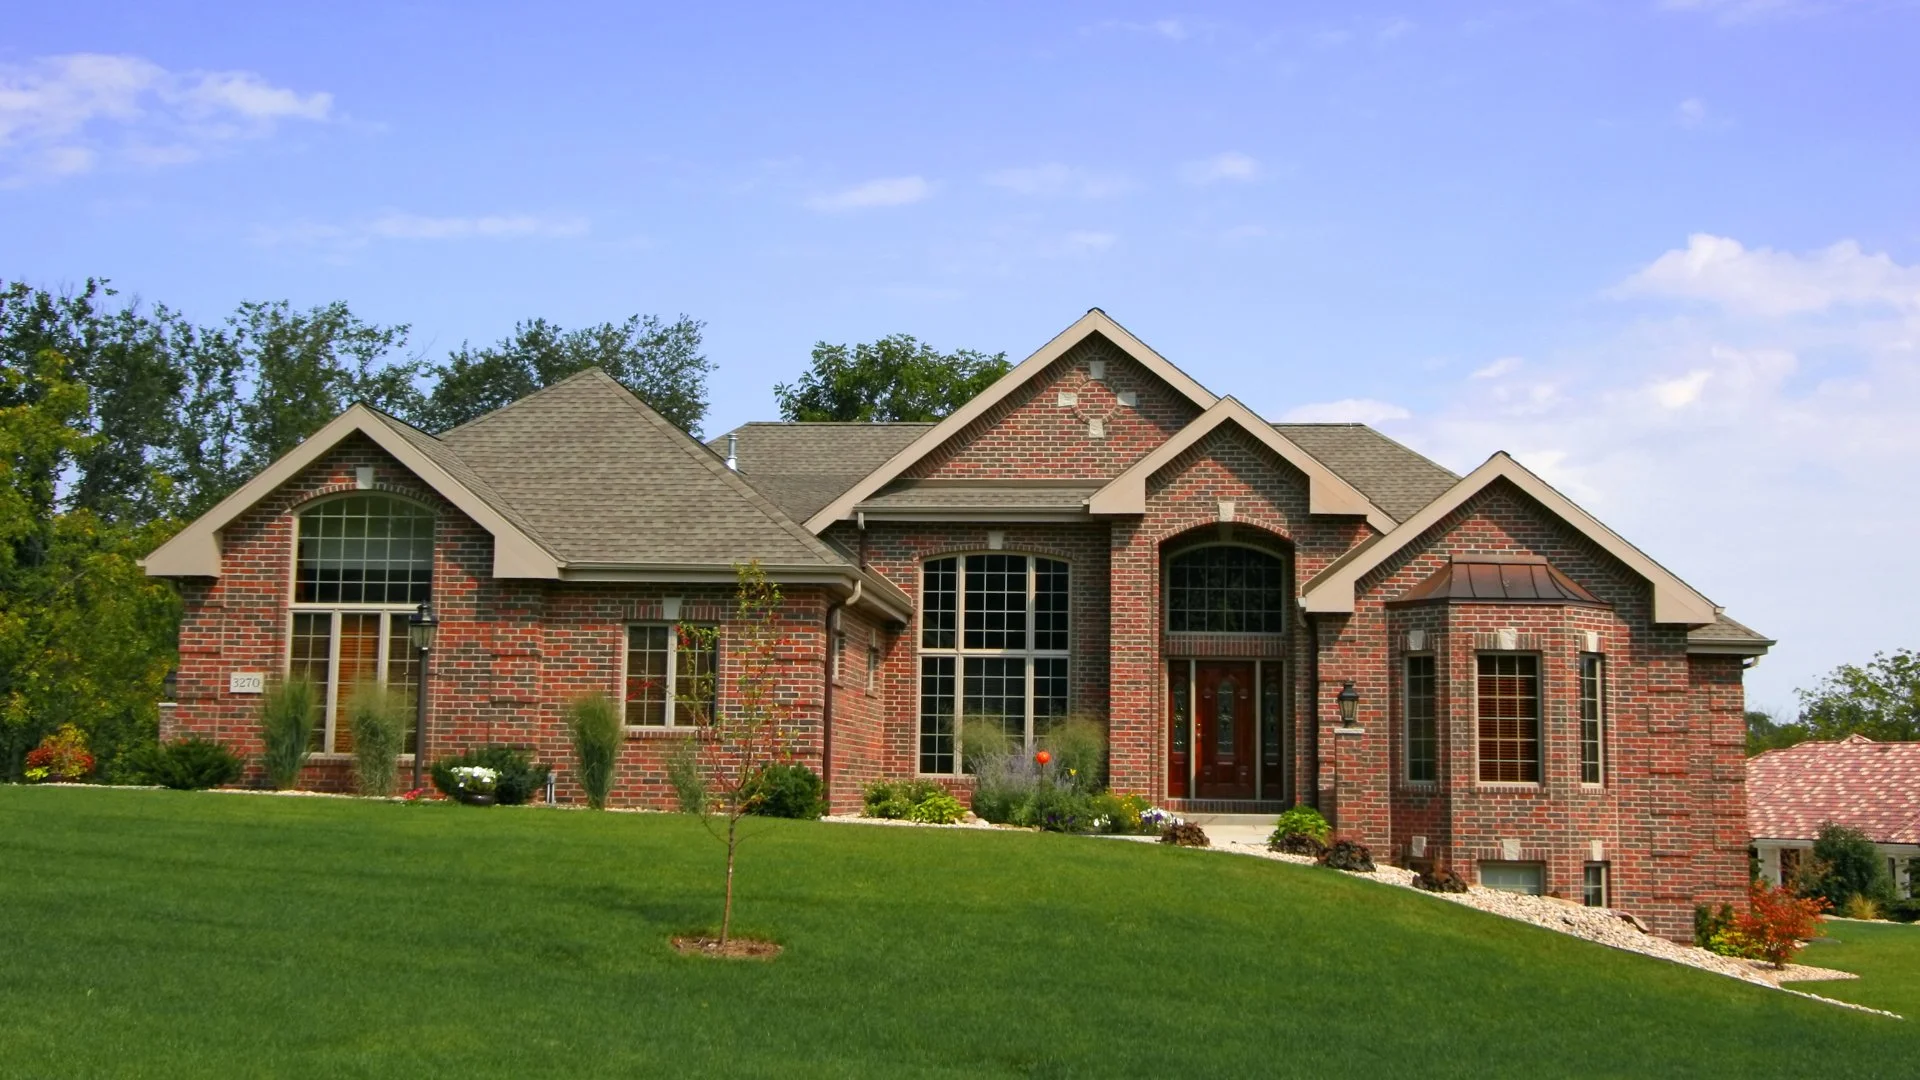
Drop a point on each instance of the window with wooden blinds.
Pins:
(1509, 714)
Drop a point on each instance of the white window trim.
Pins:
(960, 652)
(839, 654)
(873, 663)
(1539, 722)
(668, 720)
(1579, 696)
(1406, 721)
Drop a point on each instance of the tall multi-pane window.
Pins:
(670, 679)
(1423, 742)
(1593, 704)
(993, 649)
(1508, 706)
(362, 564)
(1223, 589)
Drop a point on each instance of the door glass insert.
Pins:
(1224, 705)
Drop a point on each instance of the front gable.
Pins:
(1082, 407)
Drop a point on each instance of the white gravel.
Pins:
(1601, 925)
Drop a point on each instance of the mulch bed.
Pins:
(738, 948)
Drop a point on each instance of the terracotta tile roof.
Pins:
(1871, 786)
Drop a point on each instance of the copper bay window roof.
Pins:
(1499, 579)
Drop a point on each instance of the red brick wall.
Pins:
(509, 656)
(1030, 435)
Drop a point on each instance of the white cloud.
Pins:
(404, 227)
(1396, 27)
(1090, 241)
(888, 191)
(1505, 365)
(1055, 180)
(1739, 11)
(1229, 166)
(1691, 113)
(64, 115)
(1761, 281)
(1346, 411)
(1166, 29)
(1738, 443)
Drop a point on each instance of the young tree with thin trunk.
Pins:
(743, 724)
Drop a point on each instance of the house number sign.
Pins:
(247, 682)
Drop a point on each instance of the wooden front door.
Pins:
(1224, 718)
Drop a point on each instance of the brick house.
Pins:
(1538, 702)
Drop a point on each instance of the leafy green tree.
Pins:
(896, 378)
(1765, 732)
(659, 361)
(1845, 865)
(1880, 700)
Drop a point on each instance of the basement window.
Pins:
(1515, 877)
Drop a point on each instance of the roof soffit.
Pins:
(1093, 322)
(1327, 492)
(1333, 590)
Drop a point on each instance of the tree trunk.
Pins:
(726, 911)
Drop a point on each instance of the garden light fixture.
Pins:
(422, 625)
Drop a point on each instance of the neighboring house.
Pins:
(1539, 703)
(1866, 785)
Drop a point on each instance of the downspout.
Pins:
(826, 704)
(1313, 709)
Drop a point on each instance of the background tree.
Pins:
(1765, 732)
(659, 361)
(1880, 700)
(1845, 864)
(896, 378)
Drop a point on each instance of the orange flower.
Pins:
(1042, 757)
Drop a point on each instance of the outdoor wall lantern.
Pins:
(421, 627)
(1349, 700)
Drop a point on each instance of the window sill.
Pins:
(665, 731)
(1420, 787)
(1592, 789)
(1516, 789)
(963, 779)
(1342, 729)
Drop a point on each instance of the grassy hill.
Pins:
(173, 934)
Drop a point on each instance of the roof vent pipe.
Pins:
(733, 452)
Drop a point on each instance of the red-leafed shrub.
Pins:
(60, 756)
(1777, 923)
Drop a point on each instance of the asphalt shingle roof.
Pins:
(937, 496)
(1871, 786)
(1397, 479)
(803, 467)
(604, 480)
(1726, 631)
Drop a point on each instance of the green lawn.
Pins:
(174, 934)
(1886, 956)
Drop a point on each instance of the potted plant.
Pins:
(474, 784)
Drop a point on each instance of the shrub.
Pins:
(904, 800)
(597, 730)
(1118, 813)
(1774, 927)
(786, 791)
(1013, 789)
(1904, 910)
(1296, 843)
(288, 712)
(379, 722)
(1184, 834)
(1078, 746)
(983, 741)
(1863, 907)
(689, 784)
(1440, 879)
(1709, 923)
(1845, 864)
(188, 764)
(1348, 855)
(62, 755)
(1304, 820)
(516, 777)
(940, 808)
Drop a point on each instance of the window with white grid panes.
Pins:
(994, 643)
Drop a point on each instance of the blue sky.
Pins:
(1668, 254)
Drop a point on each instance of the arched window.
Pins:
(1224, 589)
(993, 646)
(362, 563)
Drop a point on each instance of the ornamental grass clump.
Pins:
(379, 720)
(1077, 746)
(288, 712)
(595, 726)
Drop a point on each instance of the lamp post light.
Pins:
(421, 627)
(1349, 701)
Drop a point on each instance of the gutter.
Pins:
(1313, 709)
